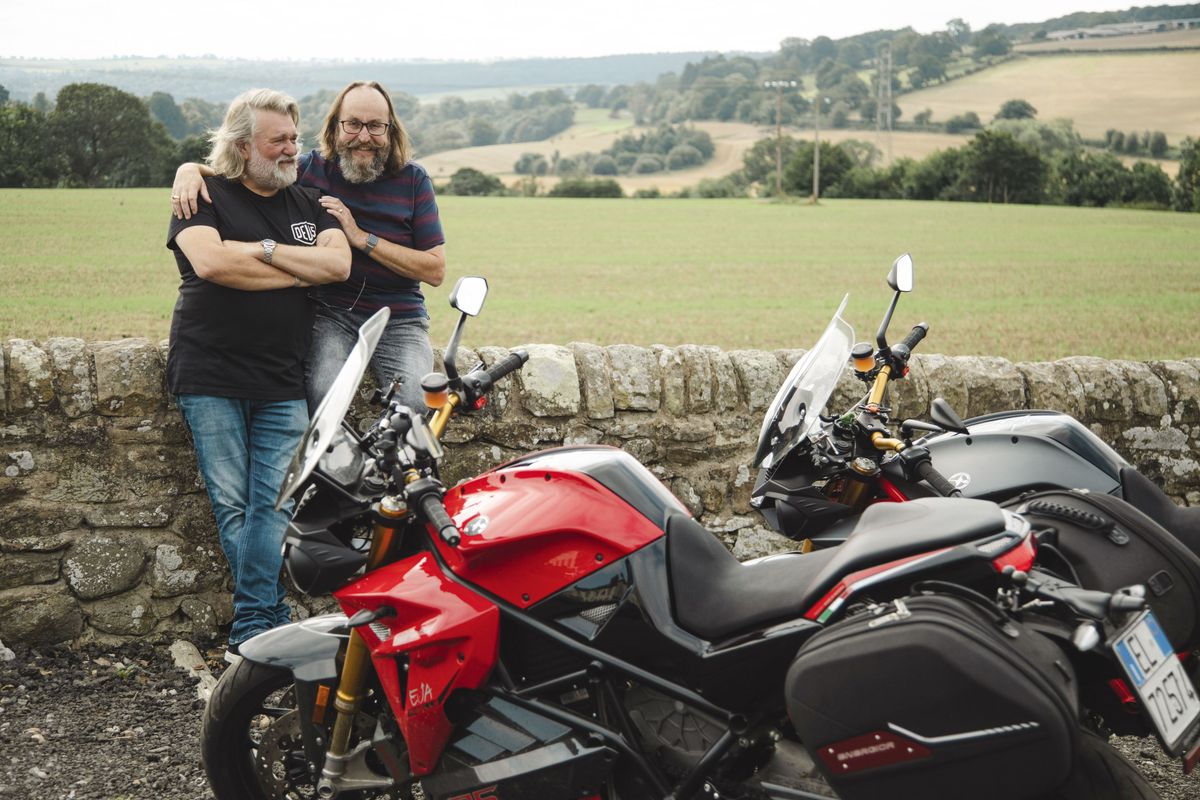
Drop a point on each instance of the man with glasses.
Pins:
(386, 206)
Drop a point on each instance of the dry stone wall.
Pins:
(105, 530)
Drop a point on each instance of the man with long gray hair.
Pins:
(240, 334)
(385, 204)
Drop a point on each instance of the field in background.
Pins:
(594, 130)
(1144, 41)
(1125, 91)
(1024, 282)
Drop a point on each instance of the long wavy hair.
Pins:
(238, 127)
(400, 149)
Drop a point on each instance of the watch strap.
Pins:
(372, 240)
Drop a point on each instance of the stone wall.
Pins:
(105, 530)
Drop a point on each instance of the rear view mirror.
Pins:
(941, 413)
(468, 295)
(901, 276)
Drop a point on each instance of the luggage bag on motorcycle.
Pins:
(1109, 544)
(935, 696)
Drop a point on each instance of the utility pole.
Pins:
(816, 192)
(883, 96)
(779, 86)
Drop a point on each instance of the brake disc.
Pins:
(280, 761)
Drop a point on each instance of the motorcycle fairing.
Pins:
(1011, 452)
(615, 470)
(446, 635)
(529, 532)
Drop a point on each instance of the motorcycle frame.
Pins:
(445, 633)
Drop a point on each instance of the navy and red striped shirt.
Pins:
(400, 208)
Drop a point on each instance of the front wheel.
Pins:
(251, 744)
(1102, 773)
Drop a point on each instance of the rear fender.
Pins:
(443, 637)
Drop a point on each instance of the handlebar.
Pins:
(426, 494)
(435, 512)
(1088, 602)
(915, 335)
(510, 363)
(477, 384)
(935, 479)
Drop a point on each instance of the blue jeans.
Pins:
(403, 352)
(243, 448)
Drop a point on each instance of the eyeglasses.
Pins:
(354, 127)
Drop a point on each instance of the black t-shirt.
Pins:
(234, 343)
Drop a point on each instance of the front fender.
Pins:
(308, 648)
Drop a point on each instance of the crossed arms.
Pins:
(241, 265)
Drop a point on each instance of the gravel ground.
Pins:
(119, 724)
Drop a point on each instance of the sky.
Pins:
(472, 29)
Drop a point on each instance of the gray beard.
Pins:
(270, 174)
(361, 173)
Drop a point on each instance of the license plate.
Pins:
(1159, 679)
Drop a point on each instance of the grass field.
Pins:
(1018, 281)
(594, 131)
(1126, 91)
(1145, 41)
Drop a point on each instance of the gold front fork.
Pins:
(357, 663)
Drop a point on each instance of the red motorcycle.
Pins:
(560, 627)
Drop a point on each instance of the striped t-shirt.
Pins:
(400, 208)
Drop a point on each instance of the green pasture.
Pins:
(1023, 282)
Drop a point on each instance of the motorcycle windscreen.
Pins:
(326, 422)
(798, 403)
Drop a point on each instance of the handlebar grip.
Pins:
(1126, 602)
(916, 335)
(509, 363)
(435, 512)
(935, 479)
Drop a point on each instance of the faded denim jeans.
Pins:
(243, 448)
(403, 352)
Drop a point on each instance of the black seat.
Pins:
(716, 595)
(1183, 522)
(891, 531)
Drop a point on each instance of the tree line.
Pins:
(95, 135)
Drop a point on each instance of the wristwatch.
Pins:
(372, 240)
(268, 246)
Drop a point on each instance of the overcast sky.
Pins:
(471, 29)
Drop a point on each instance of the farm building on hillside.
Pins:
(1124, 29)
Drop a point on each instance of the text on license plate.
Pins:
(1159, 679)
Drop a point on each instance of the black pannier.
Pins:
(935, 696)
(1110, 544)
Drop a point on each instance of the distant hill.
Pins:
(219, 80)
(1087, 19)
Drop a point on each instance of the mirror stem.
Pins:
(881, 337)
(451, 355)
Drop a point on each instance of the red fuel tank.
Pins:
(538, 524)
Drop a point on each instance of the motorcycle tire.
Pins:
(1102, 773)
(246, 754)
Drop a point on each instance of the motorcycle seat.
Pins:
(1182, 521)
(715, 595)
(888, 532)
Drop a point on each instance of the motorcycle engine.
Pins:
(680, 733)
